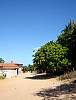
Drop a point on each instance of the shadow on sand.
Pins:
(68, 90)
(40, 76)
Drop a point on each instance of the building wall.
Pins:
(9, 73)
(19, 70)
(0, 72)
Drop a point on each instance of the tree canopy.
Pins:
(1, 60)
(51, 56)
(58, 55)
(68, 39)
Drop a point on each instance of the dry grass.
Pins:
(70, 75)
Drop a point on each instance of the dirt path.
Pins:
(24, 89)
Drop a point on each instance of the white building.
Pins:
(10, 69)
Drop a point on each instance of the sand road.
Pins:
(20, 88)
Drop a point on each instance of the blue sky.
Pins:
(27, 24)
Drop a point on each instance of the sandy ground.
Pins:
(20, 88)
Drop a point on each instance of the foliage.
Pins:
(59, 56)
(24, 69)
(68, 39)
(28, 68)
(50, 57)
(2, 77)
(1, 60)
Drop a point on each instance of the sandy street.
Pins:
(20, 88)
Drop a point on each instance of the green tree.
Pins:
(68, 39)
(51, 57)
(24, 69)
(30, 68)
(1, 60)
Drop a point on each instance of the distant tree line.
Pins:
(28, 68)
(58, 57)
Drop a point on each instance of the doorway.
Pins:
(17, 72)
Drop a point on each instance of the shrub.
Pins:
(2, 77)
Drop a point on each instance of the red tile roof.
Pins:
(9, 65)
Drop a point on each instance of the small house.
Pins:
(10, 69)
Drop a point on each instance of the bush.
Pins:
(2, 77)
(24, 69)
